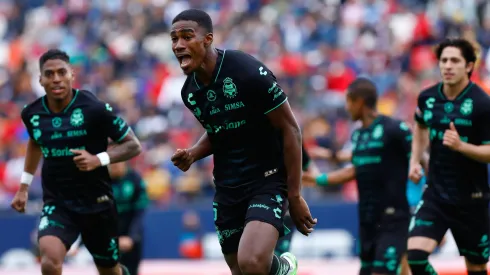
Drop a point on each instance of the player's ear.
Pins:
(470, 66)
(208, 40)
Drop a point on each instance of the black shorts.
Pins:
(383, 245)
(284, 243)
(98, 231)
(230, 220)
(469, 225)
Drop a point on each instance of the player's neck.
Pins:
(452, 91)
(369, 118)
(57, 106)
(205, 72)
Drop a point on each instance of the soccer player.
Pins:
(256, 143)
(453, 117)
(70, 129)
(284, 243)
(380, 166)
(131, 200)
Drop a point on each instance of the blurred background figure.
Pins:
(190, 239)
(132, 200)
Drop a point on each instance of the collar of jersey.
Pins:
(465, 90)
(217, 69)
(375, 121)
(75, 91)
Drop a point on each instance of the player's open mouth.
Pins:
(185, 61)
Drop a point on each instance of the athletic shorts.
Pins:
(469, 226)
(383, 245)
(284, 243)
(267, 206)
(98, 231)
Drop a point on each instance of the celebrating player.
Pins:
(69, 128)
(453, 117)
(380, 164)
(256, 143)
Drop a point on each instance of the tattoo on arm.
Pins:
(126, 149)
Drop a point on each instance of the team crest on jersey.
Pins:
(466, 107)
(229, 88)
(378, 131)
(77, 118)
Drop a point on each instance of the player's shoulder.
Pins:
(33, 108)
(248, 64)
(478, 94)
(396, 123)
(430, 91)
(91, 100)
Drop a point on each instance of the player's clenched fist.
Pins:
(20, 201)
(85, 161)
(183, 159)
(415, 172)
(451, 138)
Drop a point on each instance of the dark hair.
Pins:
(365, 89)
(468, 51)
(53, 54)
(199, 16)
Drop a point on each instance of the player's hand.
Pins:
(451, 138)
(183, 159)
(308, 179)
(125, 243)
(85, 161)
(20, 201)
(415, 172)
(300, 213)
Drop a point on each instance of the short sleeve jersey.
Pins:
(453, 177)
(233, 109)
(380, 156)
(85, 124)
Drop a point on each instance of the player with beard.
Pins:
(256, 143)
(70, 129)
(452, 117)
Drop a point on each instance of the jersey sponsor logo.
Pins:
(235, 124)
(197, 112)
(466, 107)
(56, 153)
(229, 88)
(270, 172)
(56, 135)
(262, 71)
(276, 90)
(108, 107)
(463, 122)
(427, 115)
(214, 111)
(35, 120)
(211, 95)
(360, 161)
(448, 107)
(77, 118)
(56, 122)
(234, 106)
(226, 126)
(77, 133)
(404, 126)
(439, 135)
(119, 122)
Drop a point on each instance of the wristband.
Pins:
(26, 178)
(322, 179)
(104, 158)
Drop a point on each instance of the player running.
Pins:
(380, 150)
(131, 200)
(256, 143)
(453, 117)
(69, 128)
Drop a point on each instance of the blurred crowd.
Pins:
(121, 51)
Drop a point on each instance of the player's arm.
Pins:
(126, 144)
(420, 138)
(32, 159)
(201, 149)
